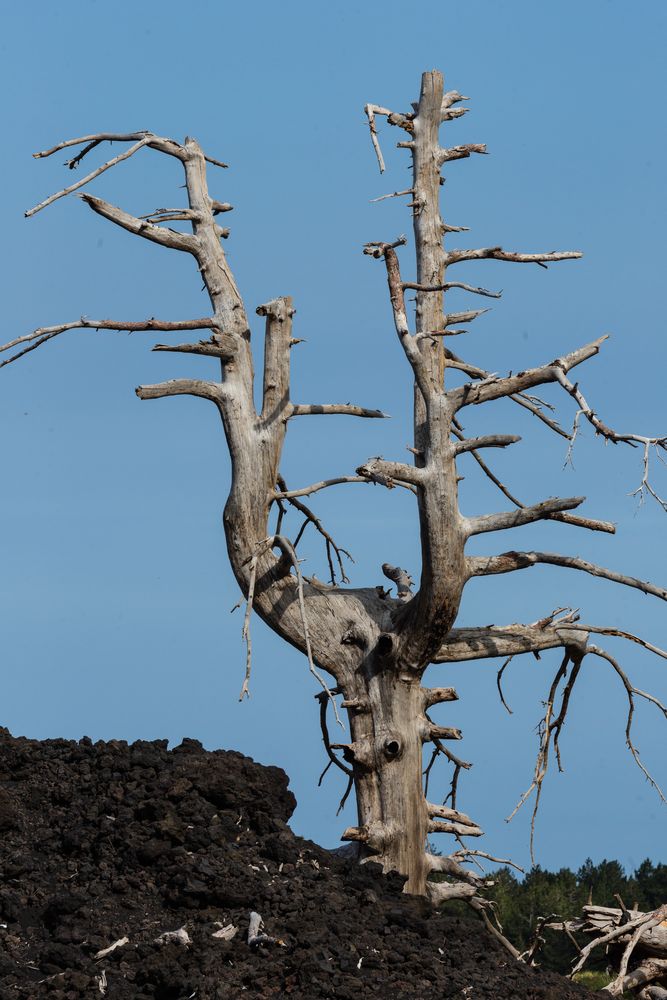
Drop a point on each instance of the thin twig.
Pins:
(288, 550)
(44, 333)
(311, 518)
(499, 678)
(659, 442)
(89, 177)
(245, 690)
(631, 691)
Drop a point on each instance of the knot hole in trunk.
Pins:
(385, 645)
(392, 748)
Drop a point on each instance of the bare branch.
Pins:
(549, 732)
(524, 515)
(486, 441)
(371, 110)
(324, 701)
(346, 409)
(506, 640)
(155, 141)
(633, 440)
(245, 690)
(616, 987)
(620, 634)
(446, 228)
(394, 194)
(459, 829)
(497, 253)
(525, 401)
(573, 519)
(325, 483)
(44, 333)
(468, 852)
(452, 113)
(317, 524)
(631, 691)
(450, 98)
(183, 215)
(496, 388)
(389, 474)
(408, 342)
(182, 387)
(223, 347)
(84, 180)
(139, 227)
(449, 319)
(287, 549)
(475, 289)
(435, 696)
(507, 562)
(654, 918)
(499, 677)
(460, 152)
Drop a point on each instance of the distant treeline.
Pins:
(521, 902)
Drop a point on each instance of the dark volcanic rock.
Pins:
(109, 841)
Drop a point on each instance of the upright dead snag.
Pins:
(375, 646)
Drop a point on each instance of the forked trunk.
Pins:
(376, 646)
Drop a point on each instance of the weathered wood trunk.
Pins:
(388, 732)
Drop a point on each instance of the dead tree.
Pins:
(639, 938)
(375, 645)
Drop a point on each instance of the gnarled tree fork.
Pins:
(374, 645)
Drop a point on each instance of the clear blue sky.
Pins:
(116, 593)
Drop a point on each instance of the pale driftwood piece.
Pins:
(256, 936)
(375, 646)
(618, 985)
(226, 933)
(644, 920)
(120, 943)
